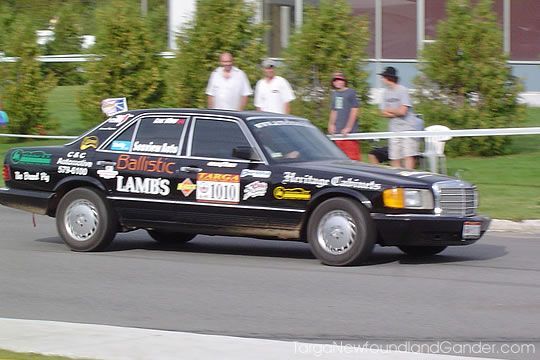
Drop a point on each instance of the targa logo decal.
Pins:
(218, 188)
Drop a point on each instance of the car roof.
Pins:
(244, 115)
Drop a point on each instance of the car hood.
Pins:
(366, 172)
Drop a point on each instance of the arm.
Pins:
(243, 102)
(287, 108)
(399, 112)
(350, 123)
(332, 122)
(210, 101)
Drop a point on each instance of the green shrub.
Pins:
(218, 26)
(129, 65)
(465, 81)
(331, 39)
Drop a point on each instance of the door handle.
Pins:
(105, 163)
(190, 169)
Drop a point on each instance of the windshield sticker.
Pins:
(89, 142)
(39, 176)
(255, 189)
(282, 123)
(139, 185)
(158, 148)
(186, 187)
(263, 174)
(143, 163)
(340, 181)
(31, 157)
(282, 193)
(222, 164)
(169, 121)
(121, 145)
(218, 188)
(107, 173)
(119, 119)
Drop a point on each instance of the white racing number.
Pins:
(218, 188)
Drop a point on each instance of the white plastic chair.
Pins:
(434, 150)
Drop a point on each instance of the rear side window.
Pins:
(160, 135)
(122, 142)
(216, 138)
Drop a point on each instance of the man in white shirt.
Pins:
(228, 87)
(273, 93)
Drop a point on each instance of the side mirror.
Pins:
(245, 152)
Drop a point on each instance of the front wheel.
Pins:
(341, 232)
(170, 237)
(419, 251)
(85, 220)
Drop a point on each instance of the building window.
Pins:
(366, 8)
(525, 30)
(399, 29)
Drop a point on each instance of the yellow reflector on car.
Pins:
(393, 198)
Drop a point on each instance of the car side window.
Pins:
(159, 134)
(122, 142)
(217, 138)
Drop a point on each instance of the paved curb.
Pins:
(525, 226)
(118, 343)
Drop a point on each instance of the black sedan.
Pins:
(182, 172)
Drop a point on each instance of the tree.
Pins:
(129, 65)
(67, 40)
(218, 26)
(465, 81)
(24, 89)
(330, 39)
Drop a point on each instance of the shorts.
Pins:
(381, 153)
(399, 148)
(351, 148)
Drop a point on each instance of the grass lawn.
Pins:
(509, 185)
(10, 355)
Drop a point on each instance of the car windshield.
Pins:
(289, 139)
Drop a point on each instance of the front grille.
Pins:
(456, 200)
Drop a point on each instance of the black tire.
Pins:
(353, 232)
(421, 251)
(170, 237)
(85, 220)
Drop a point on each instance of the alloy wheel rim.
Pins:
(81, 220)
(336, 232)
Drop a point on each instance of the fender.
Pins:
(80, 179)
(333, 191)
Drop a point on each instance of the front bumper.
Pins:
(36, 202)
(425, 230)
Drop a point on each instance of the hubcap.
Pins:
(336, 232)
(81, 220)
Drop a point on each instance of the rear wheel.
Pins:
(170, 237)
(420, 251)
(341, 232)
(85, 220)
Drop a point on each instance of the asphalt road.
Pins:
(488, 292)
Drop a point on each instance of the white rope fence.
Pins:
(375, 135)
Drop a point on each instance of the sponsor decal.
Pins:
(339, 181)
(418, 174)
(281, 123)
(143, 163)
(73, 170)
(255, 189)
(120, 145)
(107, 173)
(263, 174)
(89, 142)
(119, 119)
(107, 128)
(76, 155)
(155, 148)
(139, 185)
(221, 164)
(218, 188)
(74, 162)
(31, 157)
(186, 187)
(170, 121)
(282, 193)
(38, 176)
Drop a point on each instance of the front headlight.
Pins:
(400, 198)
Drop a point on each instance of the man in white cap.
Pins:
(273, 93)
(228, 87)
